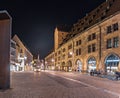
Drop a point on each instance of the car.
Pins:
(37, 69)
(93, 72)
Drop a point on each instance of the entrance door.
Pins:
(111, 63)
(79, 66)
(91, 64)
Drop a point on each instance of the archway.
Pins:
(111, 63)
(91, 64)
(63, 66)
(69, 65)
(78, 65)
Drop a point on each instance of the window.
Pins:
(13, 53)
(89, 49)
(115, 42)
(70, 46)
(93, 47)
(93, 36)
(78, 29)
(79, 42)
(89, 38)
(59, 52)
(55, 54)
(112, 28)
(76, 43)
(13, 45)
(115, 27)
(109, 43)
(79, 51)
(55, 59)
(94, 16)
(109, 29)
(63, 56)
(63, 49)
(58, 58)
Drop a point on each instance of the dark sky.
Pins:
(34, 21)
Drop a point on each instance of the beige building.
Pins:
(92, 43)
(50, 61)
(23, 55)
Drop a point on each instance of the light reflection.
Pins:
(37, 75)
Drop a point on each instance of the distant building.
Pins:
(50, 61)
(23, 55)
(92, 43)
(13, 56)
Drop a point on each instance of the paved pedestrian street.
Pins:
(49, 84)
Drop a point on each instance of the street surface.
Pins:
(53, 84)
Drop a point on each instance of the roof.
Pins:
(64, 28)
(103, 11)
(106, 9)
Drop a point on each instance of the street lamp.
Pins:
(52, 60)
(25, 57)
(71, 53)
(53, 67)
(46, 64)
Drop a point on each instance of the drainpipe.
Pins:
(100, 54)
(100, 48)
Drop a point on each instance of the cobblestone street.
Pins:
(57, 85)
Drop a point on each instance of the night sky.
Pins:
(34, 21)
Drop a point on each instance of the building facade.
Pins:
(93, 42)
(13, 56)
(24, 57)
(50, 61)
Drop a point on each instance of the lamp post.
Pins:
(72, 54)
(53, 65)
(46, 65)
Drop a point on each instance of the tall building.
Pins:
(23, 55)
(93, 42)
(60, 34)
